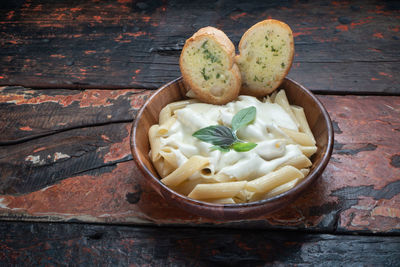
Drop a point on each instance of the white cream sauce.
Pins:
(271, 150)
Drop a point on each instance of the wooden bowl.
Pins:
(320, 125)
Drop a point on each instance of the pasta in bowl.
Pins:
(219, 181)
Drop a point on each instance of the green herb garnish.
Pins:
(203, 72)
(208, 54)
(256, 79)
(217, 135)
(224, 138)
(243, 147)
(243, 118)
(211, 56)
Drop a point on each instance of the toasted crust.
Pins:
(266, 56)
(208, 67)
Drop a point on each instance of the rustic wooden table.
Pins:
(75, 73)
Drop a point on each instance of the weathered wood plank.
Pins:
(44, 161)
(59, 244)
(349, 46)
(359, 191)
(27, 113)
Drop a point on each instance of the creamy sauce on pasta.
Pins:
(271, 151)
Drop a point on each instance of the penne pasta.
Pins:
(165, 115)
(243, 168)
(299, 138)
(298, 162)
(282, 100)
(305, 172)
(303, 124)
(169, 156)
(308, 151)
(167, 169)
(207, 172)
(257, 196)
(273, 96)
(159, 165)
(184, 156)
(155, 143)
(169, 109)
(218, 190)
(276, 191)
(274, 179)
(279, 134)
(221, 178)
(228, 200)
(240, 197)
(187, 169)
(282, 188)
(187, 186)
(163, 168)
(164, 128)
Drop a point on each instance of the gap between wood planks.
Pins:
(30, 138)
(83, 87)
(205, 226)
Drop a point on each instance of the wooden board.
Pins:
(79, 168)
(341, 47)
(65, 161)
(31, 114)
(82, 244)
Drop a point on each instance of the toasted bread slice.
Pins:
(266, 55)
(208, 66)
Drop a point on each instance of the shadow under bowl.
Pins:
(318, 120)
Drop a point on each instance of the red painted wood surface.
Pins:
(341, 46)
(84, 170)
(65, 158)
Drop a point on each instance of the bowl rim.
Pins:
(312, 176)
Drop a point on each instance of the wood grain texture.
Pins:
(64, 154)
(348, 46)
(80, 244)
(44, 161)
(87, 174)
(28, 114)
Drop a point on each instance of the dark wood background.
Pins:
(341, 46)
(75, 73)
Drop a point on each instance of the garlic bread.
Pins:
(266, 55)
(208, 67)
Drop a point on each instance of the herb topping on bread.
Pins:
(208, 67)
(266, 55)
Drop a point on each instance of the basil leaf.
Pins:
(224, 138)
(243, 118)
(217, 135)
(243, 147)
(221, 148)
